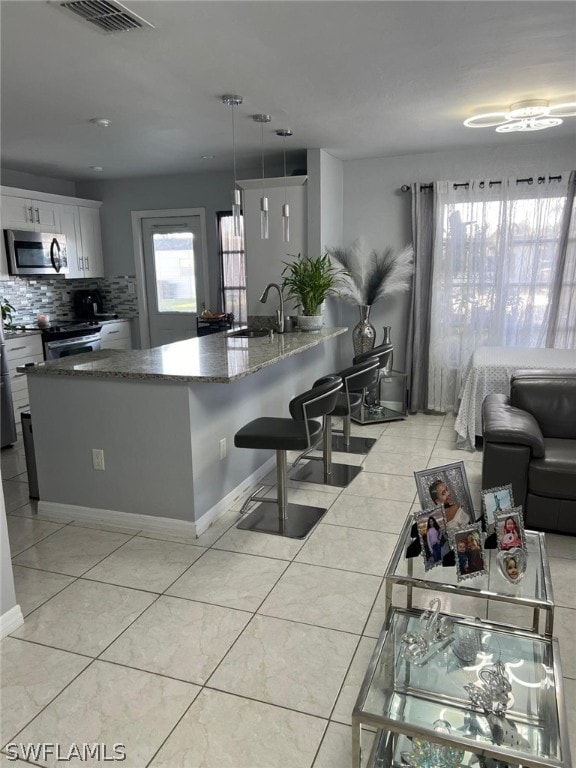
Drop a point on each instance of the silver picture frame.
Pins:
(508, 535)
(469, 552)
(435, 483)
(433, 556)
(495, 500)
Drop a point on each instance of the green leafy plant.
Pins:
(7, 310)
(309, 281)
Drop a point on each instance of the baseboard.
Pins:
(209, 517)
(128, 520)
(154, 524)
(10, 621)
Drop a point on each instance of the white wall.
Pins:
(325, 220)
(376, 209)
(10, 613)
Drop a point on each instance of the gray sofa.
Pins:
(530, 441)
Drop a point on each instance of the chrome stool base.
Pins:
(297, 524)
(340, 475)
(355, 444)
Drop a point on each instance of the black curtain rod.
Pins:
(466, 184)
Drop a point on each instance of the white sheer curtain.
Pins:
(495, 257)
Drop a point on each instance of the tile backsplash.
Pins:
(53, 296)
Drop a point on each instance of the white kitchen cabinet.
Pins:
(264, 258)
(81, 226)
(116, 335)
(19, 351)
(29, 214)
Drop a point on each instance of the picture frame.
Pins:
(495, 500)
(509, 526)
(470, 555)
(433, 535)
(447, 486)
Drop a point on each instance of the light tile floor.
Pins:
(236, 649)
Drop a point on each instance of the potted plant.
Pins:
(7, 310)
(308, 281)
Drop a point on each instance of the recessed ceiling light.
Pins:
(207, 157)
(96, 168)
(101, 122)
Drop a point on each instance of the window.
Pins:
(174, 270)
(495, 262)
(233, 269)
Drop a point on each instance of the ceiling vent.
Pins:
(107, 15)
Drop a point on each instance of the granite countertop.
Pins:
(215, 358)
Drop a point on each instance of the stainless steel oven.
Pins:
(72, 340)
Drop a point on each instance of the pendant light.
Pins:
(264, 229)
(235, 101)
(284, 132)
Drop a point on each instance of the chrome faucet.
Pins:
(279, 312)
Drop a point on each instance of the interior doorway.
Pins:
(171, 273)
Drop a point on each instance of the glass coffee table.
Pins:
(533, 591)
(404, 700)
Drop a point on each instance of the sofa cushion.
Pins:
(550, 396)
(555, 474)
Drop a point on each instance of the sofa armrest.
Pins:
(503, 423)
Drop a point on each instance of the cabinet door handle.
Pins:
(80, 263)
(86, 263)
(111, 332)
(31, 214)
(37, 215)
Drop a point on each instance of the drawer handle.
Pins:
(111, 332)
(17, 349)
(22, 407)
(19, 375)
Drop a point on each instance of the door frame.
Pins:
(138, 242)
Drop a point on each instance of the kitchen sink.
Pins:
(246, 333)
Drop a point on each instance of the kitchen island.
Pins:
(165, 419)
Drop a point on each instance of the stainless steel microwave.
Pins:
(35, 253)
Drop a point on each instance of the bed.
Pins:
(488, 371)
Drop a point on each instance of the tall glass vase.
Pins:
(363, 333)
(387, 340)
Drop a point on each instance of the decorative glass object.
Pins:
(388, 340)
(491, 692)
(418, 647)
(426, 754)
(363, 333)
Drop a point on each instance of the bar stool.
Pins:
(328, 473)
(371, 395)
(356, 380)
(276, 515)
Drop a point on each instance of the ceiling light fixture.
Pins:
(96, 168)
(529, 115)
(235, 101)
(101, 122)
(285, 132)
(264, 229)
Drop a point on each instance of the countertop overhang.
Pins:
(215, 358)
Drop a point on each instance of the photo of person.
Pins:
(512, 564)
(447, 486)
(433, 536)
(494, 501)
(469, 552)
(510, 529)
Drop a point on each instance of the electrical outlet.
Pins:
(223, 448)
(98, 459)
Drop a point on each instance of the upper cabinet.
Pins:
(77, 219)
(264, 258)
(30, 214)
(81, 226)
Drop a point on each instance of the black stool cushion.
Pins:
(277, 434)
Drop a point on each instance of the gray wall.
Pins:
(35, 183)
(376, 210)
(211, 191)
(7, 594)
